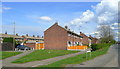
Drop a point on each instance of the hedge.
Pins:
(99, 46)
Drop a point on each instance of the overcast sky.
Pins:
(34, 18)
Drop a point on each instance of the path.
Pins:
(108, 60)
(6, 62)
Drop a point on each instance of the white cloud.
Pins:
(84, 18)
(93, 33)
(114, 24)
(105, 12)
(45, 18)
(2, 8)
(6, 8)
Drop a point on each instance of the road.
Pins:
(108, 60)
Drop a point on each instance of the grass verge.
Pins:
(42, 54)
(4, 55)
(74, 60)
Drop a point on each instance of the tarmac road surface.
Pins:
(108, 60)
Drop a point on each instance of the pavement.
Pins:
(108, 60)
(7, 62)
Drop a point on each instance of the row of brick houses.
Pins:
(31, 41)
(57, 37)
(22, 38)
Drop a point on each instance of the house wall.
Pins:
(7, 46)
(73, 39)
(55, 38)
(39, 46)
(36, 46)
(31, 45)
(85, 38)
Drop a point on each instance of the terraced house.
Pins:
(22, 38)
(57, 37)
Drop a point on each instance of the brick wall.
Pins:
(55, 37)
(31, 45)
(85, 38)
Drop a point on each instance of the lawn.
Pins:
(42, 54)
(74, 60)
(4, 54)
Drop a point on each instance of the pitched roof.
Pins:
(9, 35)
(68, 30)
(15, 36)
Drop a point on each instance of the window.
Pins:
(78, 43)
(81, 44)
(69, 34)
(69, 43)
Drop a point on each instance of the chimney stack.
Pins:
(90, 36)
(37, 35)
(56, 23)
(33, 35)
(26, 34)
(80, 33)
(5, 32)
(66, 27)
(16, 34)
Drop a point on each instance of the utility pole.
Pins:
(109, 33)
(13, 28)
(14, 35)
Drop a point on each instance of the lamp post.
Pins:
(90, 45)
(81, 41)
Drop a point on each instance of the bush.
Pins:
(8, 39)
(11, 40)
(99, 46)
(93, 46)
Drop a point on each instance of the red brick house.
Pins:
(35, 45)
(85, 39)
(94, 40)
(59, 38)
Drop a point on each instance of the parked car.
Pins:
(23, 47)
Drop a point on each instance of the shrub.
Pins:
(8, 39)
(94, 47)
(99, 46)
(11, 40)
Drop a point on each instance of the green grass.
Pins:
(42, 54)
(4, 55)
(75, 60)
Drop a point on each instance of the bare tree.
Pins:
(106, 33)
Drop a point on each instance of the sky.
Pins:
(34, 18)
